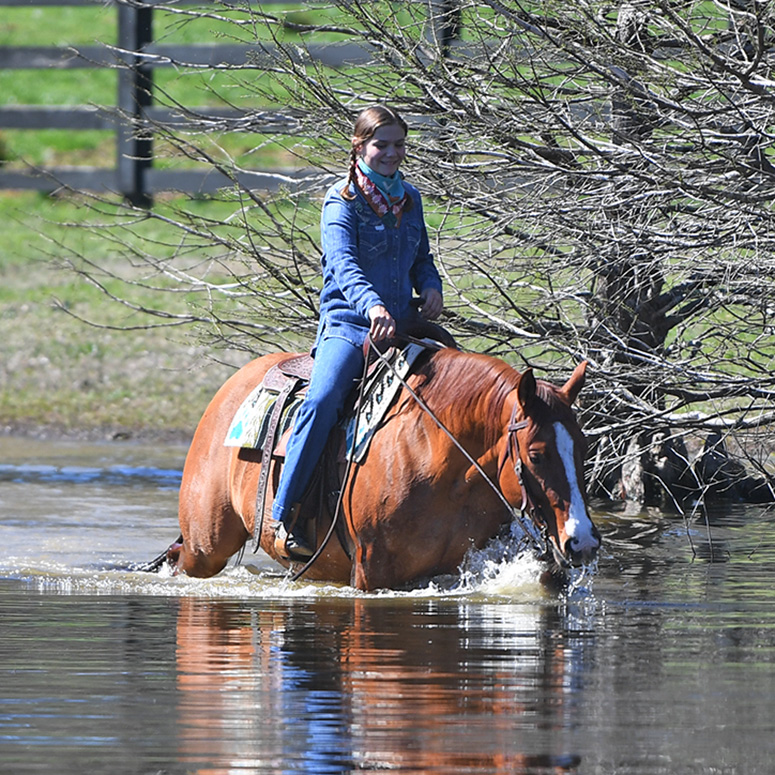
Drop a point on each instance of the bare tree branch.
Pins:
(598, 180)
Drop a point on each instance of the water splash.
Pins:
(581, 579)
(506, 566)
(506, 569)
(487, 574)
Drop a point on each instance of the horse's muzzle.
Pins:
(581, 550)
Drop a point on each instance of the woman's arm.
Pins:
(339, 233)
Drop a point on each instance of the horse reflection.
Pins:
(463, 690)
(248, 697)
(335, 686)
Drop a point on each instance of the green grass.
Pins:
(56, 371)
(64, 26)
(94, 25)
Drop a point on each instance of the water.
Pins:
(661, 662)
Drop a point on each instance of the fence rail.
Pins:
(134, 60)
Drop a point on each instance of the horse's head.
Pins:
(542, 468)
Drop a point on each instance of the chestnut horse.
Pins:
(467, 444)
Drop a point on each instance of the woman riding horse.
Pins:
(468, 445)
(375, 254)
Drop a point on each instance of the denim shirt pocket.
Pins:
(372, 238)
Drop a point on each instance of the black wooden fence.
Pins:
(134, 59)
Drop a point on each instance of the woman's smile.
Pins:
(385, 150)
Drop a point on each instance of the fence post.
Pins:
(443, 23)
(134, 144)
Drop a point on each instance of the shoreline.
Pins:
(43, 432)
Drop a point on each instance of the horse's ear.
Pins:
(526, 388)
(573, 386)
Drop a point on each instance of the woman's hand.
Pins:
(432, 304)
(383, 325)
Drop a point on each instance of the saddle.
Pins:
(290, 379)
(297, 368)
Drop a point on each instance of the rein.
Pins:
(350, 460)
(526, 524)
(527, 507)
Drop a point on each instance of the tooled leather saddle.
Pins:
(290, 378)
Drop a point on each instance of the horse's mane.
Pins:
(461, 378)
(466, 380)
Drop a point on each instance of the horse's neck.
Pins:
(474, 392)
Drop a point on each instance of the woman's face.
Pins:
(385, 150)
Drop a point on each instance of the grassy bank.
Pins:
(57, 374)
(60, 375)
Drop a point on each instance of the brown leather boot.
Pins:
(291, 543)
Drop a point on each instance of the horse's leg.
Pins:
(212, 530)
(193, 559)
(358, 577)
(370, 569)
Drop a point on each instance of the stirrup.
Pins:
(288, 545)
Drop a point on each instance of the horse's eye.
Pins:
(536, 458)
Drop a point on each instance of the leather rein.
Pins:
(529, 513)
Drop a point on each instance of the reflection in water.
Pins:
(369, 685)
(664, 666)
(254, 693)
(456, 692)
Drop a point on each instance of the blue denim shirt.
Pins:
(365, 262)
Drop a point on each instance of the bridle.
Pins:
(528, 508)
(512, 451)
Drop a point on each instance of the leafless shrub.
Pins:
(598, 180)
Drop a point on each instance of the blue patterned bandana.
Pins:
(392, 187)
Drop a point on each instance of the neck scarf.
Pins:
(391, 187)
(388, 202)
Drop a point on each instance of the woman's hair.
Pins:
(367, 123)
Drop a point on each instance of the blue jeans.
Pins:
(338, 364)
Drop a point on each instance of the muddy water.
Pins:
(663, 662)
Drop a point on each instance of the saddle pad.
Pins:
(249, 427)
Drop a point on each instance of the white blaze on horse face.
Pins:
(578, 527)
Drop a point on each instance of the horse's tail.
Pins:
(156, 564)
